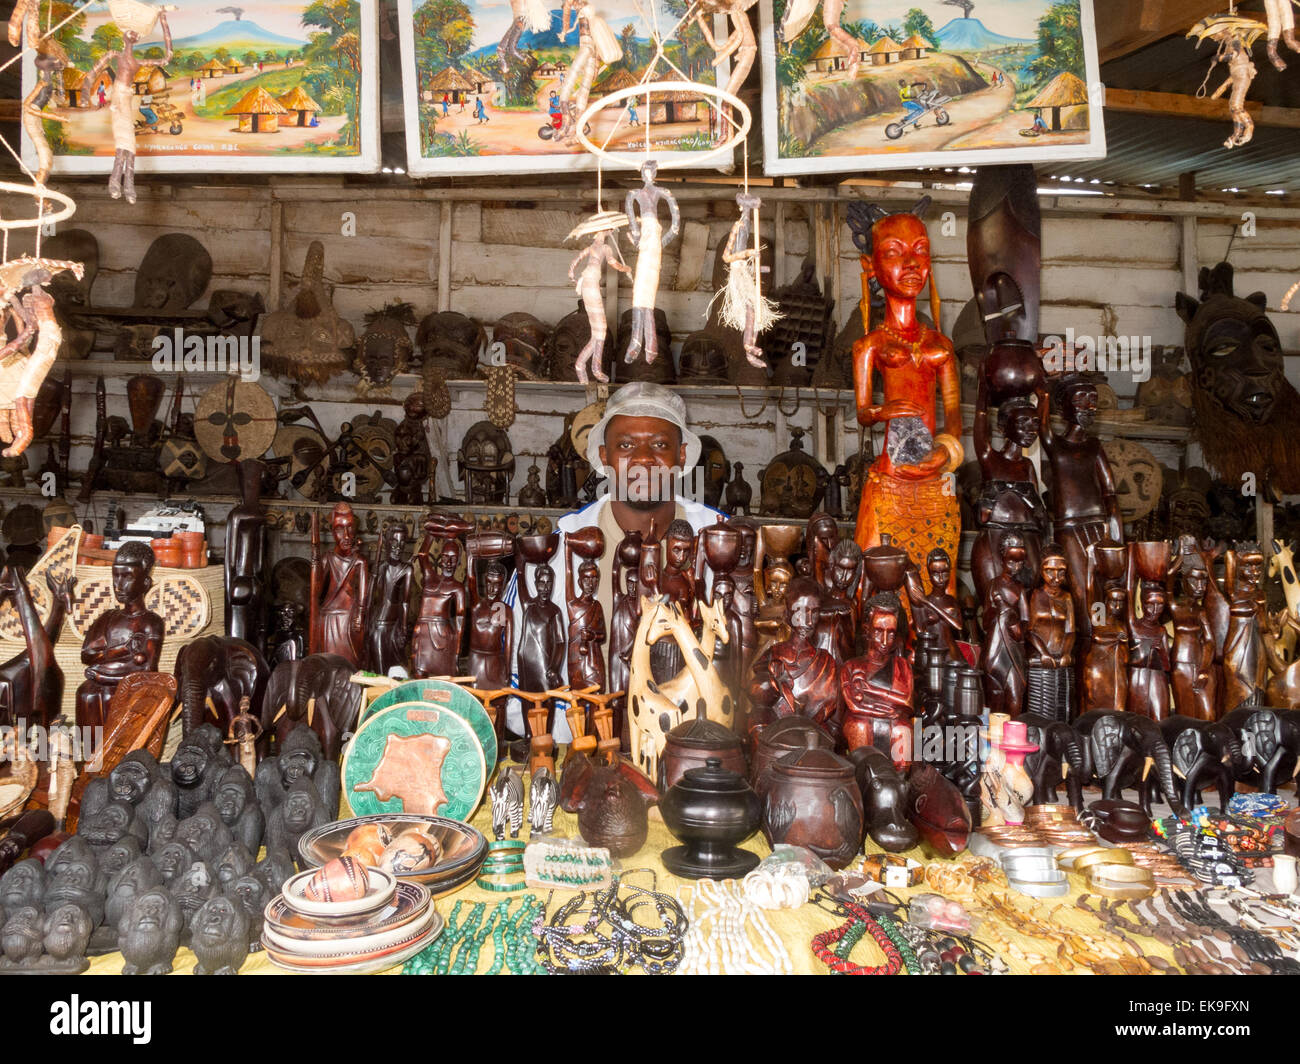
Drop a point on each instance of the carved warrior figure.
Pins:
(386, 599)
(905, 494)
(31, 311)
(341, 624)
(642, 209)
(121, 96)
(601, 251)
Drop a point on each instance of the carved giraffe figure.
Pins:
(31, 683)
(696, 691)
(1283, 689)
(1282, 566)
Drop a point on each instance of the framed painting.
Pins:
(483, 83)
(270, 85)
(901, 84)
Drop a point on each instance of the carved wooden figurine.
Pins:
(541, 654)
(805, 677)
(31, 683)
(936, 615)
(444, 603)
(1196, 674)
(1050, 641)
(878, 688)
(120, 641)
(1148, 642)
(342, 576)
(491, 627)
(744, 307)
(246, 558)
(386, 599)
(1245, 668)
(586, 636)
(1105, 664)
(837, 626)
(905, 494)
(1005, 618)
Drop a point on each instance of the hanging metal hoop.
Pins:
(40, 194)
(632, 159)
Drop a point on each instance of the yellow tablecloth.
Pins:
(796, 927)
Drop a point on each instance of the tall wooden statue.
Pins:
(342, 576)
(905, 494)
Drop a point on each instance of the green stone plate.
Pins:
(411, 752)
(455, 698)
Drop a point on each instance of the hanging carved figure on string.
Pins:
(1281, 26)
(739, 45)
(50, 62)
(603, 249)
(528, 15)
(648, 232)
(597, 48)
(797, 16)
(1236, 35)
(21, 375)
(135, 20)
(744, 307)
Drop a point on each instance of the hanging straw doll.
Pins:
(597, 48)
(642, 209)
(603, 249)
(528, 14)
(50, 61)
(1281, 24)
(1236, 35)
(744, 307)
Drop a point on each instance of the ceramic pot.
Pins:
(886, 565)
(711, 810)
(692, 744)
(538, 549)
(166, 552)
(1152, 559)
(771, 741)
(1284, 873)
(721, 546)
(587, 542)
(1012, 369)
(811, 798)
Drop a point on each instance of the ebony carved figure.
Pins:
(444, 603)
(342, 576)
(805, 677)
(149, 933)
(246, 558)
(300, 812)
(31, 683)
(387, 599)
(1004, 618)
(219, 937)
(214, 673)
(300, 757)
(317, 692)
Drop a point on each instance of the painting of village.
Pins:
(273, 86)
(889, 84)
(483, 93)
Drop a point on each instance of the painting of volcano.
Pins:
(484, 95)
(883, 89)
(284, 86)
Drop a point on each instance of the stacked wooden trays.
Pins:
(464, 848)
(393, 922)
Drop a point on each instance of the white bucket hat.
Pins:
(643, 399)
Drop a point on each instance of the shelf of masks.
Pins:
(466, 394)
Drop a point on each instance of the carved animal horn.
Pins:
(212, 707)
(311, 712)
(1147, 766)
(283, 710)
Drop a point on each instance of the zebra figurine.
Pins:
(543, 794)
(507, 802)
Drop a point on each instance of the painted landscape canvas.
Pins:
(281, 85)
(481, 96)
(891, 84)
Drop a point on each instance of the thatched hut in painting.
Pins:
(211, 69)
(885, 51)
(299, 105)
(830, 56)
(553, 68)
(1066, 96)
(258, 112)
(74, 86)
(234, 66)
(151, 80)
(451, 83)
(915, 47)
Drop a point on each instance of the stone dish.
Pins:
(455, 698)
(382, 887)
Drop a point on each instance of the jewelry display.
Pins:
(567, 867)
(611, 940)
(719, 939)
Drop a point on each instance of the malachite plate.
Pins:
(455, 698)
(417, 757)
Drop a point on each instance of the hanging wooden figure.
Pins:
(31, 309)
(50, 61)
(136, 21)
(739, 46)
(648, 232)
(603, 248)
(744, 307)
(1236, 35)
(1281, 25)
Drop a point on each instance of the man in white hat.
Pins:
(642, 447)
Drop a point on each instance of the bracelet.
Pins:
(499, 888)
(857, 915)
(1108, 856)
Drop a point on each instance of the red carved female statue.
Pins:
(906, 494)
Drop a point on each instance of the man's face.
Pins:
(803, 612)
(843, 573)
(492, 584)
(1197, 582)
(589, 580)
(884, 630)
(678, 553)
(940, 570)
(396, 541)
(449, 559)
(1054, 573)
(642, 452)
(128, 581)
(545, 582)
(345, 534)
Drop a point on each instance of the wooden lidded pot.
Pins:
(692, 743)
(811, 798)
(771, 741)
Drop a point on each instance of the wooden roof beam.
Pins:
(1124, 27)
(1175, 105)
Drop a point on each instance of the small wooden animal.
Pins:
(543, 796)
(507, 802)
(739, 492)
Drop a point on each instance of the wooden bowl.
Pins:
(1152, 559)
(721, 547)
(538, 549)
(780, 541)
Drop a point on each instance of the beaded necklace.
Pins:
(822, 944)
